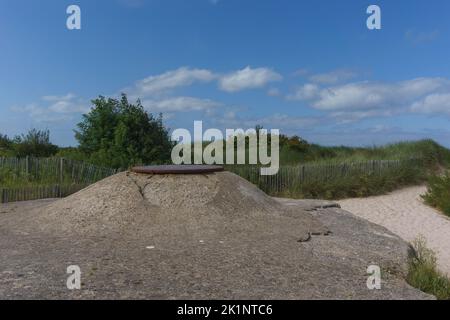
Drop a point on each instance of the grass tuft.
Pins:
(423, 273)
(438, 194)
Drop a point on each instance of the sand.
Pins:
(404, 213)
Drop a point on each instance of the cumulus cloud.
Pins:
(366, 99)
(157, 93)
(54, 108)
(306, 92)
(165, 82)
(333, 77)
(180, 104)
(248, 78)
(433, 103)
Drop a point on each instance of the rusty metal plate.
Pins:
(178, 169)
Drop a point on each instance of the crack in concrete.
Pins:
(140, 188)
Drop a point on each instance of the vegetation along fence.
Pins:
(38, 178)
(291, 178)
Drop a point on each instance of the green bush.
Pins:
(72, 153)
(35, 143)
(438, 194)
(423, 273)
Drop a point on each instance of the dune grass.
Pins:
(438, 194)
(423, 273)
(428, 150)
(429, 156)
(356, 186)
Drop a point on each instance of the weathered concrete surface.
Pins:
(152, 249)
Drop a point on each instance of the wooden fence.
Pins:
(38, 192)
(37, 178)
(292, 177)
(40, 178)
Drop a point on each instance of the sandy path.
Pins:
(404, 213)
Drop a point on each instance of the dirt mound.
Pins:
(198, 204)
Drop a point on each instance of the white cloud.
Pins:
(248, 78)
(67, 97)
(180, 104)
(165, 83)
(306, 92)
(433, 103)
(366, 99)
(333, 77)
(54, 108)
(154, 85)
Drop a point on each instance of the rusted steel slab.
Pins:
(178, 169)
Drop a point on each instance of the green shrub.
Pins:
(423, 273)
(438, 194)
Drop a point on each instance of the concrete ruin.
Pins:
(194, 236)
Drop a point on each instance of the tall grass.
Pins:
(423, 273)
(336, 181)
(428, 150)
(36, 178)
(438, 193)
(30, 171)
(419, 160)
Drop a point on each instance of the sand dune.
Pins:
(404, 213)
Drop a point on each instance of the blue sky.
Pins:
(310, 68)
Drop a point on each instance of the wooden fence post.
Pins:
(27, 164)
(61, 168)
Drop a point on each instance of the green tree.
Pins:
(5, 145)
(35, 143)
(119, 134)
